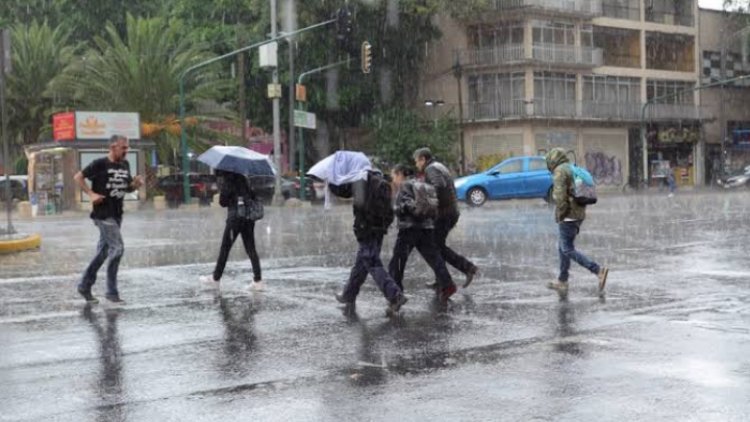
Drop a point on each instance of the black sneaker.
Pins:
(341, 299)
(396, 305)
(470, 276)
(115, 299)
(88, 296)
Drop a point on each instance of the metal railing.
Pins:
(506, 54)
(620, 12)
(587, 7)
(668, 18)
(568, 54)
(581, 110)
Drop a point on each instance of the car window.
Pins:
(514, 166)
(537, 164)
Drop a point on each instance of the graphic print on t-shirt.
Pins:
(117, 182)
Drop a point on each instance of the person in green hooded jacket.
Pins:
(569, 216)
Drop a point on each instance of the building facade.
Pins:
(532, 75)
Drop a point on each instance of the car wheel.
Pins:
(476, 197)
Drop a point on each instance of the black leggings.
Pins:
(238, 227)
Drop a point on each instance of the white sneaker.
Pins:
(208, 280)
(257, 286)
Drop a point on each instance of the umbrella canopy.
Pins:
(238, 160)
(342, 167)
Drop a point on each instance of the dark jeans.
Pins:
(443, 227)
(368, 261)
(238, 227)
(424, 241)
(568, 232)
(110, 246)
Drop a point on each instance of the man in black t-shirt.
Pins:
(110, 181)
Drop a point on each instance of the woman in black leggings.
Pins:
(235, 190)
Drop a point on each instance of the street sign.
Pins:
(304, 119)
(274, 91)
(301, 93)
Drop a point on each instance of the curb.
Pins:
(17, 245)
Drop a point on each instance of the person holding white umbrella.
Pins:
(233, 165)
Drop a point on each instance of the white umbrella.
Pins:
(238, 160)
(341, 168)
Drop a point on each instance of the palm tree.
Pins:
(40, 53)
(140, 73)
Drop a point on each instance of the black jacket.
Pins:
(370, 218)
(233, 186)
(404, 208)
(440, 177)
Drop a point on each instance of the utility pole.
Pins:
(5, 64)
(277, 197)
(242, 92)
(290, 136)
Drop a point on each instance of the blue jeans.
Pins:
(110, 246)
(568, 232)
(368, 261)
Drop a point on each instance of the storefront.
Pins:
(671, 149)
(80, 138)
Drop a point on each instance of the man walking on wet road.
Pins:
(569, 216)
(440, 177)
(110, 180)
(372, 216)
(416, 229)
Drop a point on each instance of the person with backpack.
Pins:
(416, 207)
(437, 175)
(243, 209)
(573, 188)
(373, 214)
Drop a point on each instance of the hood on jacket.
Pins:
(555, 158)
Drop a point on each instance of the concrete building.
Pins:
(727, 33)
(530, 75)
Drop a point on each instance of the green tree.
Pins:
(140, 72)
(399, 132)
(40, 53)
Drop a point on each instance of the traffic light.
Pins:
(344, 27)
(366, 57)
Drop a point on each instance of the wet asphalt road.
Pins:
(669, 341)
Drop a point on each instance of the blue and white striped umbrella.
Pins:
(238, 160)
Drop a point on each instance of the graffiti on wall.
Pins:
(607, 170)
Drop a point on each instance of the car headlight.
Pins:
(459, 182)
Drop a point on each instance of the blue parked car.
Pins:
(518, 177)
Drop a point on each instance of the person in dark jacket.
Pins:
(439, 176)
(235, 193)
(415, 232)
(372, 217)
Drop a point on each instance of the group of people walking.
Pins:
(425, 207)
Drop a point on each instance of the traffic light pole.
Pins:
(183, 75)
(301, 131)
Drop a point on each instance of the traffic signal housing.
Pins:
(366, 57)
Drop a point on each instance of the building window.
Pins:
(622, 9)
(670, 12)
(621, 47)
(558, 33)
(673, 52)
(611, 89)
(555, 86)
(677, 92)
(510, 33)
(496, 95)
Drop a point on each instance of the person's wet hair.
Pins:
(423, 153)
(403, 170)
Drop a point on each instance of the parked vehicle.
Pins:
(518, 177)
(202, 186)
(738, 180)
(290, 187)
(17, 190)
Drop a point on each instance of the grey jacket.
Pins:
(404, 209)
(440, 177)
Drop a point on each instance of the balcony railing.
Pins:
(585, 7)
(668, 18)
(620, 12)
(550, 54)
(568, 54)
(582, 110)
(507, 54)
